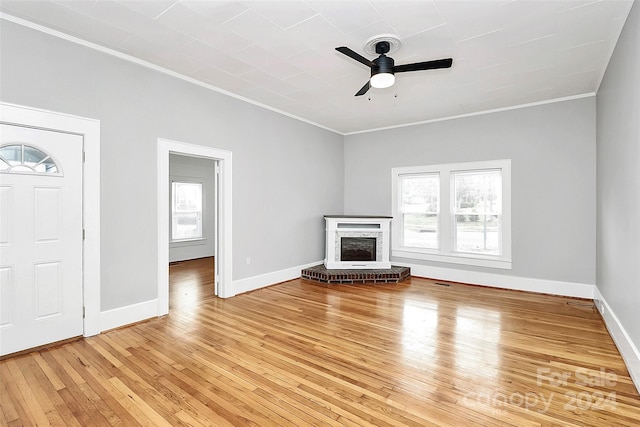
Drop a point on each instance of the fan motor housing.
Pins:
(384, 64)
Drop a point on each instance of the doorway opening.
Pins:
(192, 240)
(221, 214)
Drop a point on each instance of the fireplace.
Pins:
(357, 242)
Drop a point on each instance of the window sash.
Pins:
(186, 211)
(482, 236)
(476, 208)
(486, 191)
(420, 206)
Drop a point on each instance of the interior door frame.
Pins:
(89, 129)
(223, 267)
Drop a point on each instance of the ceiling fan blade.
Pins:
(353, 55)
(364, 89)
(427, 65)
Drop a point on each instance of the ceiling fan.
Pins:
(382, 68)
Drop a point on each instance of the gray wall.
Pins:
(286, 173)
(185, 168)
(618, 188)
(552, 148)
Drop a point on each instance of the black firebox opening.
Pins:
(358, 249)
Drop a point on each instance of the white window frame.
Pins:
(446, 222)
(191, 240)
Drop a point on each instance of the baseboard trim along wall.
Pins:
(126, 315)
(122, 316)
(627, 349)
(268, 279)
(553, 287)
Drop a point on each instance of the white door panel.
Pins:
(40, 239)
(6, 209)
(6, 296)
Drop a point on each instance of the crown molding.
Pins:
(477, 113)
(126, 57)
(112, 52)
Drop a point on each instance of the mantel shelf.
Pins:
(359, 216)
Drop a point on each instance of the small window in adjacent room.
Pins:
(186, 211)
(455, 213)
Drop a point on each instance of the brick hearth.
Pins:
(320, 273)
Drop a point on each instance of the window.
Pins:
(456, 213)
(186, 211)
(21, 158)
(419, 209)
(477, 211)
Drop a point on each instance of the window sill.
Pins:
(478, 261)
(187, 242)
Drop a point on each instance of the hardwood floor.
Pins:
(190, 282)
(301, 353)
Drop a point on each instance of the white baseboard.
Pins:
(626, 347)
(554, 287)
(126, 315)
(257, 282)
(122, 316)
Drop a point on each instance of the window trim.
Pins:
(445, 253)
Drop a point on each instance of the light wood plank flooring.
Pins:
(301, 353)
(190, 282)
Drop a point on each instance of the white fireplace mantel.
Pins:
(339, 227)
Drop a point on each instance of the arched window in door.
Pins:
(21, 158)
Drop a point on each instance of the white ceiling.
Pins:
(282, 53)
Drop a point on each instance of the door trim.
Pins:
(89, 129)
(223, 236)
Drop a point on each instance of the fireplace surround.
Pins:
(357, 242)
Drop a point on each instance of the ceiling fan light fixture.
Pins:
(382, 72)
(383, 68)
(382, 80)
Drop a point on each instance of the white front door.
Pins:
(40, 237)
